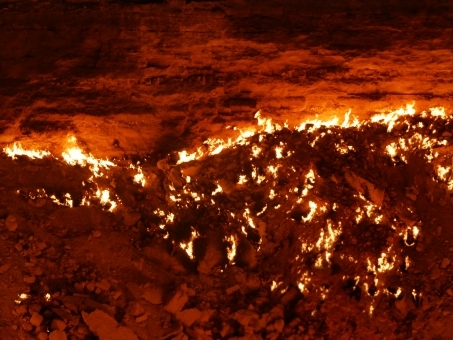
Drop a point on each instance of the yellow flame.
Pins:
(74, 155)
(390, 118)
(231, 251)
(18, 150)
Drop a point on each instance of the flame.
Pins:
(313, 206)
(74, 155)
(231, 250)
(390, 119)
(188, 247)
(18, 150)
(140, 177)
(217, 190)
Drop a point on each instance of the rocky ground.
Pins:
(323, 231)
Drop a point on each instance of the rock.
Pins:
(188, 316)
(37, 271)
(177, 303)
(103, 284)
(130, 218)
(11, 223)
(117, 294)
(153, 295)
(278, 325)
(40, 202)
(445, 263)
(191, 292)
(405, 305)
(233, 289)
(26, 326)
(21, 310)
(365, 187)
(57, 335)
(106, 327)
(57, 325)
(4, 268)
(42, 336)
(96, 233)
(180, 336)
(163, 165)
(420, 247)
(278, 312)
(142, 318)
(205, 315)
(36, 319)
(246, 254)
(291, 294)
(176, 177)
(435, 273)
(244, 316)
(29, 279)
(90, 286)
(191, 171)
(135, 309)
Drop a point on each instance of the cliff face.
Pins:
(164, 74)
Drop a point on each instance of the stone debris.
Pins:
(180, 336)
(365, 187)
(445, 263)
(42, 336)
(57, 325)
(177, 302)
(188, 316)
(239, 249)
(57, 335)
(36, 319)
(103, 284)
(131, 218)
(11, 223)
(4, 268)
(231, 290)
(153, 295)
(29, 279)
(135, 309)
(106, 327)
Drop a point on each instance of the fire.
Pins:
(188, 247)
(104, 198)
(18, 150)
(140, 177)
(74, 155)
(231, 250)
(390, 119)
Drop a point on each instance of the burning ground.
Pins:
(324, 229)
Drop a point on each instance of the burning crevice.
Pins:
(328, 213)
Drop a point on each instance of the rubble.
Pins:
(153, 295)
(11, 223)
(177, 302)
(105, 327)
(188, 316)
(131, 218)
(271, 247)
(57, 335)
